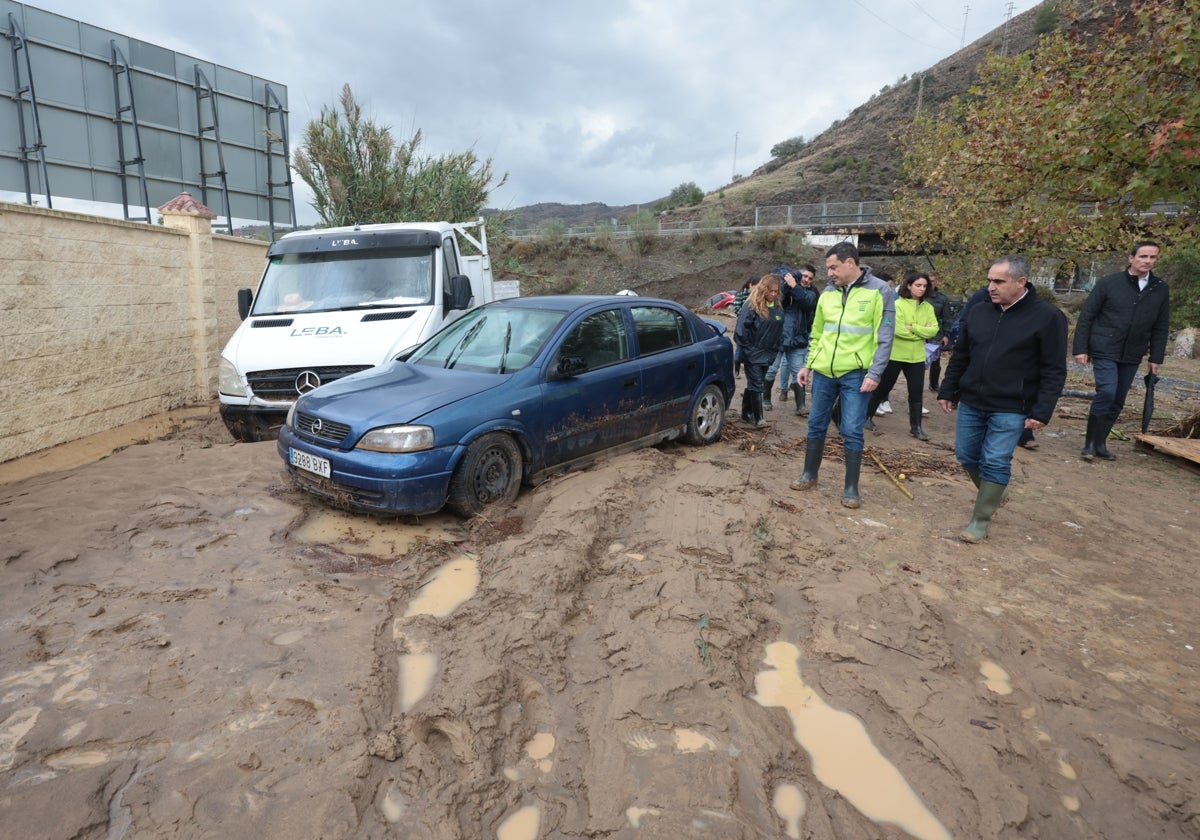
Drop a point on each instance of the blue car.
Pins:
(506, 395)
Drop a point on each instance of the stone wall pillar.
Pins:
(187, 214)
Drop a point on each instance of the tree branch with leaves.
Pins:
(1070, 149)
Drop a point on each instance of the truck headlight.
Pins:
(228, 380)
(397, 439)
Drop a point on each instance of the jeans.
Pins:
(824, 390)
(1112, 386)
(788, 364)
(984, 442)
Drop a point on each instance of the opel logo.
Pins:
(307, 381)
(317, 426)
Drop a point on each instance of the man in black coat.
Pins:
(1005, 375)
(1126, 314)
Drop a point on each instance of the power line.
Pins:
(895, 28)
(921, 9)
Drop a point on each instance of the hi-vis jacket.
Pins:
(853, 328)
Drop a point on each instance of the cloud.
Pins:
(617, 102)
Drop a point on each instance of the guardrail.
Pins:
(801, 216)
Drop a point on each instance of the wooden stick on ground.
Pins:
(888, 473)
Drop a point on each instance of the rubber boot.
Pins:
(850, 497)
(813, 452)
(798, 393)
(1100, 438)
(1089, 441)
(988, 499)
(974, 477)
(757, 407)
(918, 432)
(768, 386)
(747, 415)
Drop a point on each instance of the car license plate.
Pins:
(311, 463)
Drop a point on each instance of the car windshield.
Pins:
(491, 339)
(357, 279)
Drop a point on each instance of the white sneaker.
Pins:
(879, 412)
(885, 407)
(924, 410)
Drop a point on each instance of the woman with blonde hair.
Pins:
(759, 334)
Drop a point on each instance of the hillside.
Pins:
(855, 159)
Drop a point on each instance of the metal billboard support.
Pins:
(19, 48)
(205, 92)
(120, 67)
(280, 136)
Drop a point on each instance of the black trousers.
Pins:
(914, 375)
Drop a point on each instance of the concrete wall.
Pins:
(103, 322)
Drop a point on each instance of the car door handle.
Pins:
(631, 382)
(692, 365)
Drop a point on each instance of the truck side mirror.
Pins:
(459, 295)
(245, 298)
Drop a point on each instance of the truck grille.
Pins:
(314, 427)
(284, 384)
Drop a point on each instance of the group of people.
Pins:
(849, 345)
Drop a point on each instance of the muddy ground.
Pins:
(670, 644)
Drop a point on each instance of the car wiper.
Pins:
(463, 342)
(507, 342)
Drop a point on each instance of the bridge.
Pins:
(869, 222)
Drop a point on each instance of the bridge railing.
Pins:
(802, 216)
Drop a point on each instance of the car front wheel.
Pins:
(707, 418)
(490, 472)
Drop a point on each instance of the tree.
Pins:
(787, 148)
(1068, 149)
(685, 195)
(359, 174)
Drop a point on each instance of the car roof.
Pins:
(570, 303)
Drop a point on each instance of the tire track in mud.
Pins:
(167, 676)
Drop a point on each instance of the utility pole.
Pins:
(733, 174)
(1004, 46)
(963, 42)
(920, 91)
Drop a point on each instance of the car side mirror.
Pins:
(569, 366)
(245, 298)
(459, 294)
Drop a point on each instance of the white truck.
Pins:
(339, 300)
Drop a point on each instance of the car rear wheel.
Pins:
(490, 472)
(707, 419)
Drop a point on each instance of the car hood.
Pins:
(394, 393)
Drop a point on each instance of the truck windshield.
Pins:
(319, 282)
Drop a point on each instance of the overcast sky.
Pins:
(616, 101)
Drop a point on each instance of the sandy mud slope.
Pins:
(670, 644)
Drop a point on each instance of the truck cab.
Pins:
(336, 301)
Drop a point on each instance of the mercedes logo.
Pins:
(307, 381)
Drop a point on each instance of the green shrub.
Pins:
(1181, 268)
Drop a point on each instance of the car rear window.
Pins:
(659, 329)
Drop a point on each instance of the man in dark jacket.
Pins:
(1006, 375)
(799, 301)
(1126, 314)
